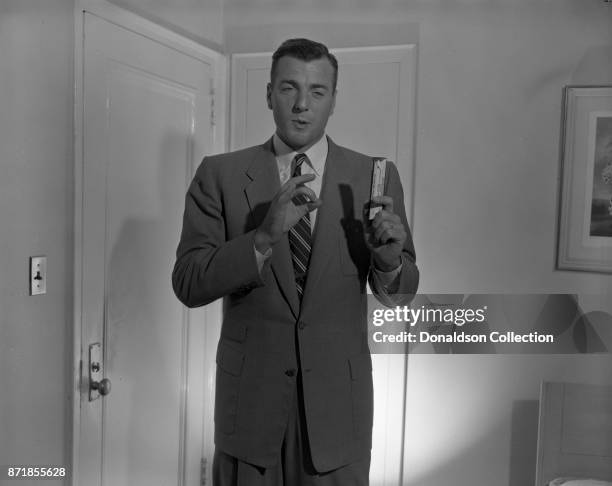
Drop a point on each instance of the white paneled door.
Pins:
(146, 122)
(374, 114)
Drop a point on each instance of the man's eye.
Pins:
(318, 94)
(286, 89)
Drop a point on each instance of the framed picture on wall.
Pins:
(585, 209)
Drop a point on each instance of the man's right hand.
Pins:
(283, 214)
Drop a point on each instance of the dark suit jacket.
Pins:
(264, 327)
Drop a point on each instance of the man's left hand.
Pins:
(385, 235)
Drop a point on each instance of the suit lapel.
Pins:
(338, 176)
(265, 182)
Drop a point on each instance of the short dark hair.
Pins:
(305, 50)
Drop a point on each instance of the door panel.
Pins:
(374, 114)
(146, 126)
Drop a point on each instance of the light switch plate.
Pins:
(38, 275)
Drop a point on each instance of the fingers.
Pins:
(306, 201)
(314, 204)
(297, 181)
(305, 191)
(386, 201)
(386, 220)
(388, 232)
(295, 186)
(386, 225)
(301, 179)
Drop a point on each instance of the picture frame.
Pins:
(585, 196)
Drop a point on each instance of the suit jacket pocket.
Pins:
(362, 394)
(229, 369)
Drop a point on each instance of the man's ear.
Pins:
(333, 106)
(269, 95)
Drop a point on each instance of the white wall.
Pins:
(491, 75)
(489, 106)
(36, 187)
(200, 20)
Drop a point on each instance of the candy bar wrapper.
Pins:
(379, 170)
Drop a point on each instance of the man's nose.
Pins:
(301, 102)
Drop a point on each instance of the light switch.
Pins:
(38, 275)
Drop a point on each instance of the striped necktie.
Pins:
(300, 238)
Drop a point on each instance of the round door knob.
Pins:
(103, 386)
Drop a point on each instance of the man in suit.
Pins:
(278, 230)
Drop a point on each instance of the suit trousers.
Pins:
(294, 467)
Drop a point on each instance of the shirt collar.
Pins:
(317, 154)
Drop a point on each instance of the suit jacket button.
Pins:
(290, 372)
(301, 325)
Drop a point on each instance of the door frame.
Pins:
(147, 28)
